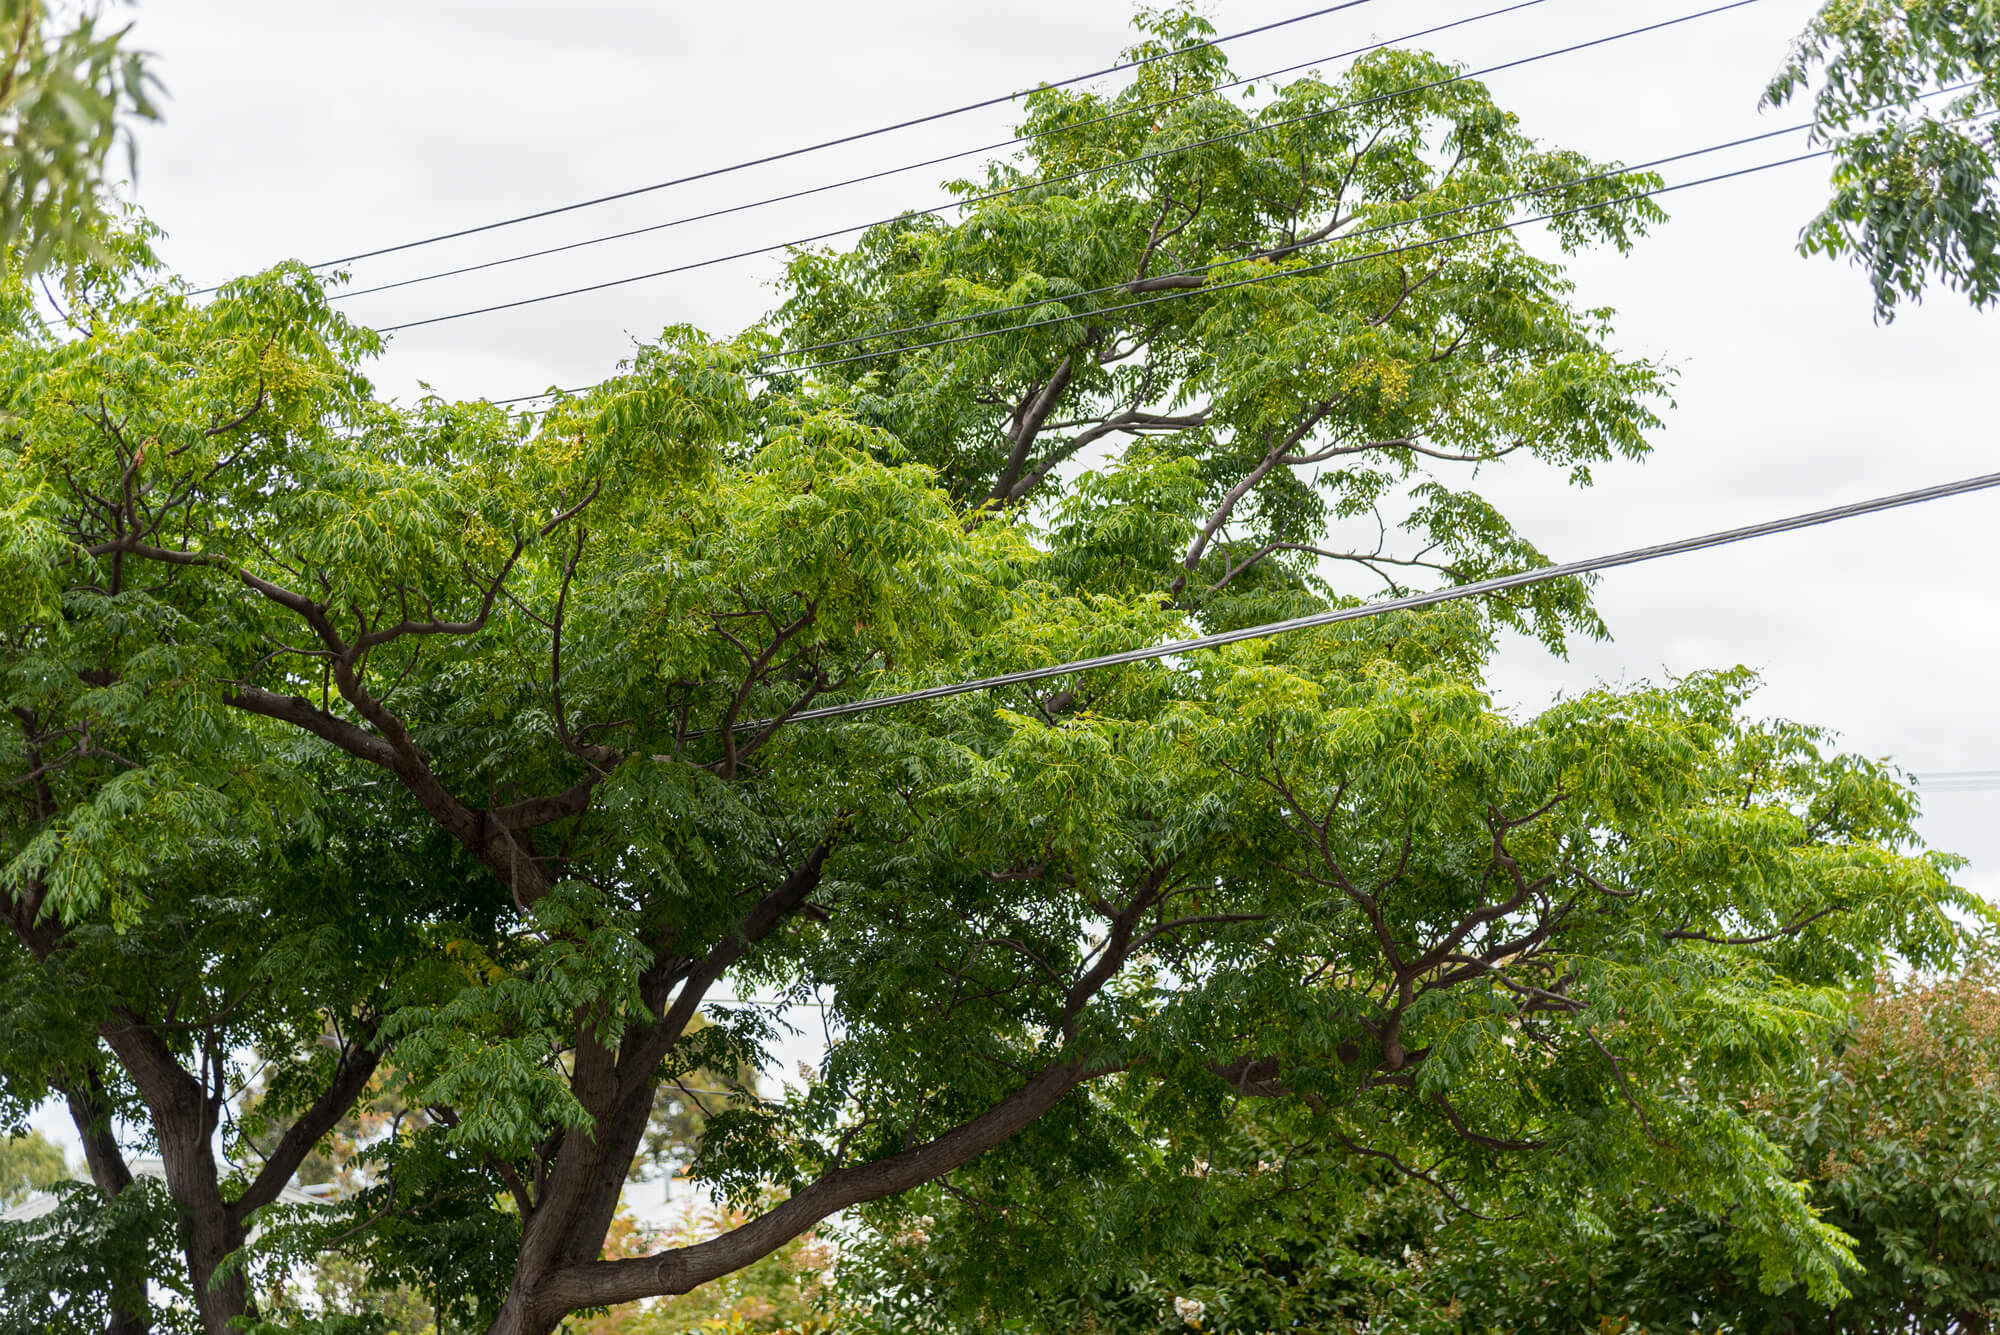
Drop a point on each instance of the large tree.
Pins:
(1059, 935)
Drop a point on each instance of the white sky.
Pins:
(316, 131)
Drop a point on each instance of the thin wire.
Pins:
(1198, 269)
(1320, 267)
(1959, 781)
(1680, 547)
(1277, 276)
(1072, 128)
(1343, 260)
(843, 139)
(1080, 172)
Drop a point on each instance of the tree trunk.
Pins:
(184, 1122)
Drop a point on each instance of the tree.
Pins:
(1916, 183)
(549, 664)
(29, 1163)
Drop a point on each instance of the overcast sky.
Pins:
(318, 131)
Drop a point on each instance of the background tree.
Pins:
(29, 1162)
(1916, 184)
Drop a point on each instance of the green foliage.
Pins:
(29, 1163)
(64, 93)
(1356, 823)
(1916, 184)
(1279, 431)
(1891, 1124)
(68, 1271)
(1894, 1132)
(459, 742)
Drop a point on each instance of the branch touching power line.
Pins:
(1502, 584)
(1067, 128)
(1277, 275)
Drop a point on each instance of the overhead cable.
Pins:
(1482, 588)
(1320, 267)
(1196, 270)
(999, 146)
(1959, 781)
(1372, 230)
(1343, 260)
(843, 139)
(1277, 275)
(1058, 179)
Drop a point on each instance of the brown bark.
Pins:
(184, 1113)
(566, 1224)
(598, 1283)
(184, 1118)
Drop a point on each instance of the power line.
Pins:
(1480, 589)
(1372, 230)
(1324, 264)
(1321, 266)
(1959, 781)
(843, 139)
(1253, 281)
(1079, 173)
(1017, 140)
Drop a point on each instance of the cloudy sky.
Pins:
(316, 131)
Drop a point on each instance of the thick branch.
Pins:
(601, 1283)
(356, 1067)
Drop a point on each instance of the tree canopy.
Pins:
(444, 754)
